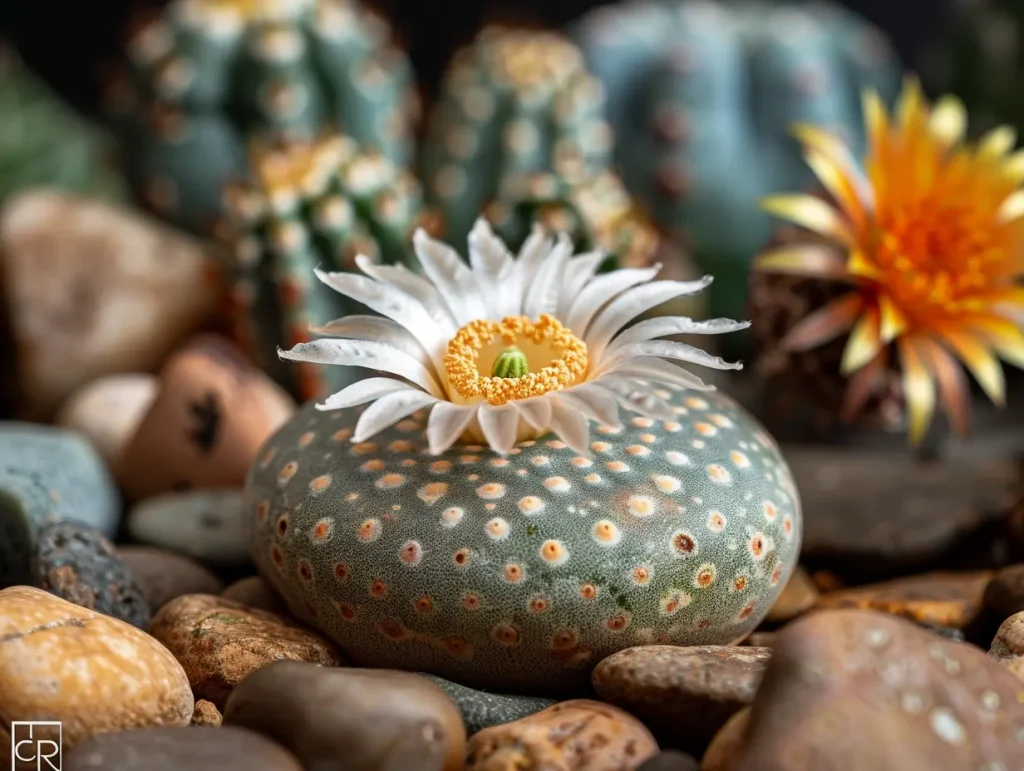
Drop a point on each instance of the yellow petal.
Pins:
(893, 322)
(876, 119)
(911, 105)
(979, 360)
(918, 390)
(1013, 168)
(838, 185)
(802, 260)
(1013, 207)
(858, 264)
(811, 213)
(948, 121)
(825, 323)
(949, 376)
(1005, 337)
(864, 343)
(997, 143)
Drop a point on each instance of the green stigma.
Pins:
(510, 363)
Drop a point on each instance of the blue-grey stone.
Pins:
(47, 474)
(206, 525)
(481, 709)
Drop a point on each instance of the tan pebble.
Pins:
(797, 597)
(254, 592)
(206, 713)
(721, 754)
(91, 672)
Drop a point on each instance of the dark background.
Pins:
(70, 42)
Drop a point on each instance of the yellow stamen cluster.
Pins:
(462, 366)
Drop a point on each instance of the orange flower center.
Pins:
(561, 355)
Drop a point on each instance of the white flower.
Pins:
(507, 348)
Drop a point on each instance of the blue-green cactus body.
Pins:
(703, 97)
(316, 205)
(520, 573)
(978, 54)
(208, 76)
(514, 103)
(48, 473)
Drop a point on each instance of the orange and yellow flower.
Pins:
(931, 237)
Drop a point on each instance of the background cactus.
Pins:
(514, 102)
(208, 74)
(311, 204)
(43, 142)
(702, 96)
(978, 55)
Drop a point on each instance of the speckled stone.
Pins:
(1004, 594)
(670, 760)
(207, 525)
(519, 573)
(220, 642)
(798, 596)
(164, 575)
(101, 674)
(206, 425)
(254, 592)
(206, 713)
(75, 562)
(373, 719)
(108, 411)
(1008, 645)
(862, 691)
(482, 710)
(578, 735)
(47, 473)
(951, 600)
(684, 695)
(199, 748)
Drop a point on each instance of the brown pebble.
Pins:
(578, 735)
(254, 592)
(1008, 645)
(721, 754)
(798, 596)
(206, 713)
(951, 600)
(163, 575)
(220, 642)
(1004, 594)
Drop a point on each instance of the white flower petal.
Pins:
(570, 426)
(416, 287)
(594, 402)
(536, 411)
(599, 291)
(365, 353)
(393, 303)
(546, 287)
(489, 258)
(388, 410)
(452, 277)
(578, 272)
(377, 328)
(531, 256)
(499, 426)
(651, 329)
(446, 423)
(667, 349)
(363, 391)
(656, 369)
(631, 304)
(637, 398)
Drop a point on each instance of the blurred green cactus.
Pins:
(515, 102)
(311, 204)
(45, 143)
(978, 54)
(207, 76)
(702, 97)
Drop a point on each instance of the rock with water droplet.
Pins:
(1008, 645)
(163, 575)
(951, 600)
(75, 562)
(46, 474)
(107, 411)
(356, 719)
(577, 735)
(213, 412)
(684, 695)
(481, 709)
(92, 290)
(863, 691)
(197, 748)
(220, 642)
(798, 596)
(255, 592)
(206, 525)
(94, 673)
